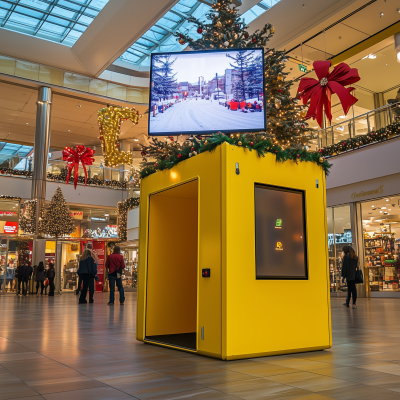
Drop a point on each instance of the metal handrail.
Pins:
(359, 116)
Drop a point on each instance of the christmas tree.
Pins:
(57, 220)
(243, 67)
(27, 222)
(162, 77)
(224, 28)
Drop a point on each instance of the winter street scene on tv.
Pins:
(206, 91)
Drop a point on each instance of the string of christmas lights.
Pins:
(110, 120)
(122, 212)
(13, 198)
(62, 177)
(168, 154)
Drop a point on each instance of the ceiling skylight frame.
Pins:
(43, 22)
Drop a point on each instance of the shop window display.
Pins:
(129, 277)
(339, 235)
(381, 220)
(70, 262)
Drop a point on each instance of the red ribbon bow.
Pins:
(74, 157)
(320, 91)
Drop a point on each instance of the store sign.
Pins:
(7, 213)
(302, 68)
(76, 214)
(356, 195)
(10, 227)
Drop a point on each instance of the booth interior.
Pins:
(171, 316)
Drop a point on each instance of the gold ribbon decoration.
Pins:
(110, 119)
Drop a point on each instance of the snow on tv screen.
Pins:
(201, 92)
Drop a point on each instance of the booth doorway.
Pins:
(171, 306)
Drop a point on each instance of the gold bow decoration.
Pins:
(110, 119)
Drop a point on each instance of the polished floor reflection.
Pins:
(51, 348)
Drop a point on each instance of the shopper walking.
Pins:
(51, 274)
(349, 268)
(39, 277)
(115, 264)
(87, 270)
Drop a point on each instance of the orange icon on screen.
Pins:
(279, 246)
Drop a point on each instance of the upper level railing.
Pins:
(97, 175)
(359, 125)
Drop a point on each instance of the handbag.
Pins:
(359, 276)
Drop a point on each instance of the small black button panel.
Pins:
(205, 272)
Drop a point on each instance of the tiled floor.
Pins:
(51, 348)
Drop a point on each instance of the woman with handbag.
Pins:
(87, 270)
(349, 271)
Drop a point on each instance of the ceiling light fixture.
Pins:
(371, 56)
(27, 123)
(78, 106)
(381, 14)
(342, 116)
(136, 140)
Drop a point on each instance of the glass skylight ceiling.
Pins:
(61, 21)
(159, 37)
(257, 10)
(10, 150)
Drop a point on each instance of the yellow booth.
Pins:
(233, 258)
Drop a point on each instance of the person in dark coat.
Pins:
(51, 274)
(87, 270)
(39, 278)
(24, 274)
(349, 268)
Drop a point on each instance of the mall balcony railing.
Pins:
(360, 125)
(97, 175)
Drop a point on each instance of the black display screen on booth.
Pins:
(280, 233)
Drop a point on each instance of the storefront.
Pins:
(129, 277)
(365, 213)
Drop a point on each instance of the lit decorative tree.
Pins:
(56, 220)
(27, 222)
(224, 28)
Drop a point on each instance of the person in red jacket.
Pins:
(115, 264)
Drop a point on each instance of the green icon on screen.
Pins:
(278, 223)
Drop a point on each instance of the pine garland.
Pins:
(122, 212)
(169, 154)
(62, 177)
(13, 198)
(380, 135)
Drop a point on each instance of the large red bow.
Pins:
(320, 91)
(74, 157)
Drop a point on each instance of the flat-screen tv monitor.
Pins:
(200, 92)
(281, 251)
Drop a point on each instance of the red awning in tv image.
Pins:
(10, 227)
